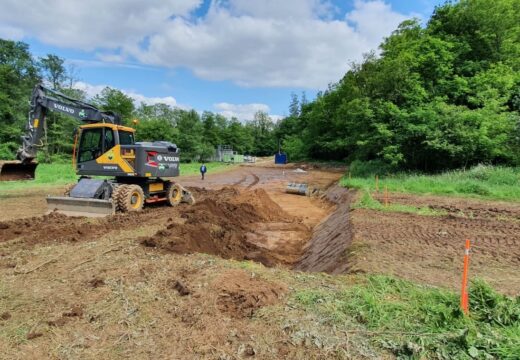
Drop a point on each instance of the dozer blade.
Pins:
(80, 207)
(16, 170)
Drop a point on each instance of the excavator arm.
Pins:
(44, 100)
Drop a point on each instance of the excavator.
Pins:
(116, 173)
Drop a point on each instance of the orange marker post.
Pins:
(464, 302)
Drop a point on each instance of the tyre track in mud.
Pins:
(256, 179)
(430, 248)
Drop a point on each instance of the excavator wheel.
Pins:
(174, 194)
(130, 198)
(116, 194)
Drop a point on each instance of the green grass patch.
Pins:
(56, 174)
(366, 201)
(485, 182)
(213, 167)
(415, 321)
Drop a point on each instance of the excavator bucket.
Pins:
(71, 206)
(16, 170)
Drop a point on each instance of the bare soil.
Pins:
(212, 280)
(430, 249)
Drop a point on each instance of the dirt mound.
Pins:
(220, 225)
(264, 207)
(240, 294)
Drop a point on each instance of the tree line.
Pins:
(197, 135)
(443, 95)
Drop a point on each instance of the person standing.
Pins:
(203, 170)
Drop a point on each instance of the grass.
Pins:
(366, 201)
(484, 182)
(56, 174)
(414, 321)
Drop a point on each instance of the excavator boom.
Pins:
(44, 100)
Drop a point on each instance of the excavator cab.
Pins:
(104, 150)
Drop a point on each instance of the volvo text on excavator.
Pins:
(139, 172)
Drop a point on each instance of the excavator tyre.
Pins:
(16, 170)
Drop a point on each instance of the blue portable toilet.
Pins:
(280, 158)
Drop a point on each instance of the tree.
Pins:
(115, 100)
(441, 96)
(18, 75)
(261, 128)
(54, 71)
(294, 107)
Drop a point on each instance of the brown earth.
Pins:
(240, 294)
(225, 224)
(154, 284)
(430, 249)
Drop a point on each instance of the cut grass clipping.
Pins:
(482, 181)
(414, 321)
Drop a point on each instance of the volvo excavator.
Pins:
(116, 173)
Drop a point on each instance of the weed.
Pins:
(423, 322)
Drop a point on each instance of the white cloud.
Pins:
(275, 44)
(374, 18)
(242, 112)
(92, 24)
(93, 90)
(291, 43)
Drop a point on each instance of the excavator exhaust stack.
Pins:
(16, 170)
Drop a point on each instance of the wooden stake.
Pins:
(464, 302)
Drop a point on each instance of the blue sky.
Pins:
(229, 56)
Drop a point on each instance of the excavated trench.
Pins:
(233, 223)
(248, 225)
(326, 251)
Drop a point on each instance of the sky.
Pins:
(233, 57)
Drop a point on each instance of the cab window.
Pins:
(109, 140)
(126, 138)
(90, 145)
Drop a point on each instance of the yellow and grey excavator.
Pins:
(140, 172)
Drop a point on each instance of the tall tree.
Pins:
(18, 75)
(53, 68)
(115, 100)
